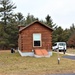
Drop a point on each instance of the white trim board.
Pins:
(31, 53)
(26, 53)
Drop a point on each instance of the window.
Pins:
(37, 40)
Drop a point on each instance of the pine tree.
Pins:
(49, 21)
(6, 10)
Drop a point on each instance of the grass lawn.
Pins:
(71, 51)
(17, 65)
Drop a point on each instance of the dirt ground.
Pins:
(5, 50)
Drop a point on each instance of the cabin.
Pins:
(35, 39)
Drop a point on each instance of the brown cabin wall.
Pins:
(26, 37)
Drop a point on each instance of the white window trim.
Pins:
(39, 40)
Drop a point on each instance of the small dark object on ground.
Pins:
(12, 50)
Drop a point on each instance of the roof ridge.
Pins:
(35, 22)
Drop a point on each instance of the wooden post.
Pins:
(64, 50)
(58, 56)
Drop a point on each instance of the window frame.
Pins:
(37, 40)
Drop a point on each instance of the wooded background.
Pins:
(9, 22)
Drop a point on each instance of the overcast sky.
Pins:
(61, 11)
